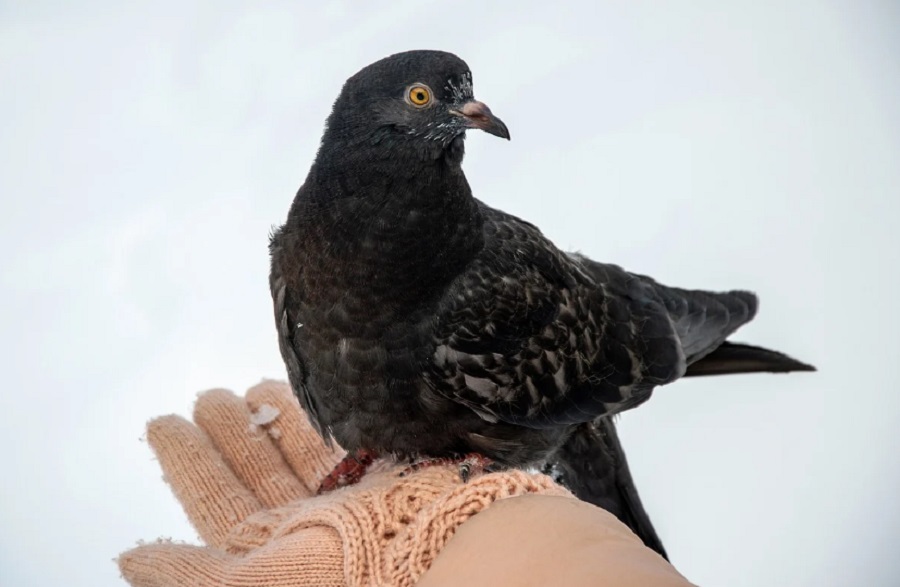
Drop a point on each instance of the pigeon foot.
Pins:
(470, 464)
(349, 471)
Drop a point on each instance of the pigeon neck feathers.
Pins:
(397, 229)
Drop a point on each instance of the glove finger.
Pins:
(213, 498)
(247, 450)
(173, 565)
(303, 448)
(313, 557)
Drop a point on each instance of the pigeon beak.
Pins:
(477, 115)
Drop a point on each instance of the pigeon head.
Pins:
(417, 101)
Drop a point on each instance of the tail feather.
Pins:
(731, 358)
(592, 465)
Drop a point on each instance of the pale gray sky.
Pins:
(145, 152)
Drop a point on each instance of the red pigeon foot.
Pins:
(349, 471)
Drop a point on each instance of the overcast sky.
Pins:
(146, 152)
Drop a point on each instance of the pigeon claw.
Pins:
(470, 465)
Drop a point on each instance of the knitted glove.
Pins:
(246, 474)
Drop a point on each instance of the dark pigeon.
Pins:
(417, 321)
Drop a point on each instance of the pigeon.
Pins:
(592, 464)
(415, 321)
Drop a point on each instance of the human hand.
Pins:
(246, 472)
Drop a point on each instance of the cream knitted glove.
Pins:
(246, 474)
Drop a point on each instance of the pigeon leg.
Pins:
(470, 464)
(349, 471)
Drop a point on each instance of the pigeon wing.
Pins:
(533, 336)
(286, 322)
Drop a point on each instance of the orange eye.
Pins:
(419, 95)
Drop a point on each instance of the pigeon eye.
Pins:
(419, 95)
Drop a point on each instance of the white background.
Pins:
(145, 153)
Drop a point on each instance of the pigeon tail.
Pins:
(733, 358)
